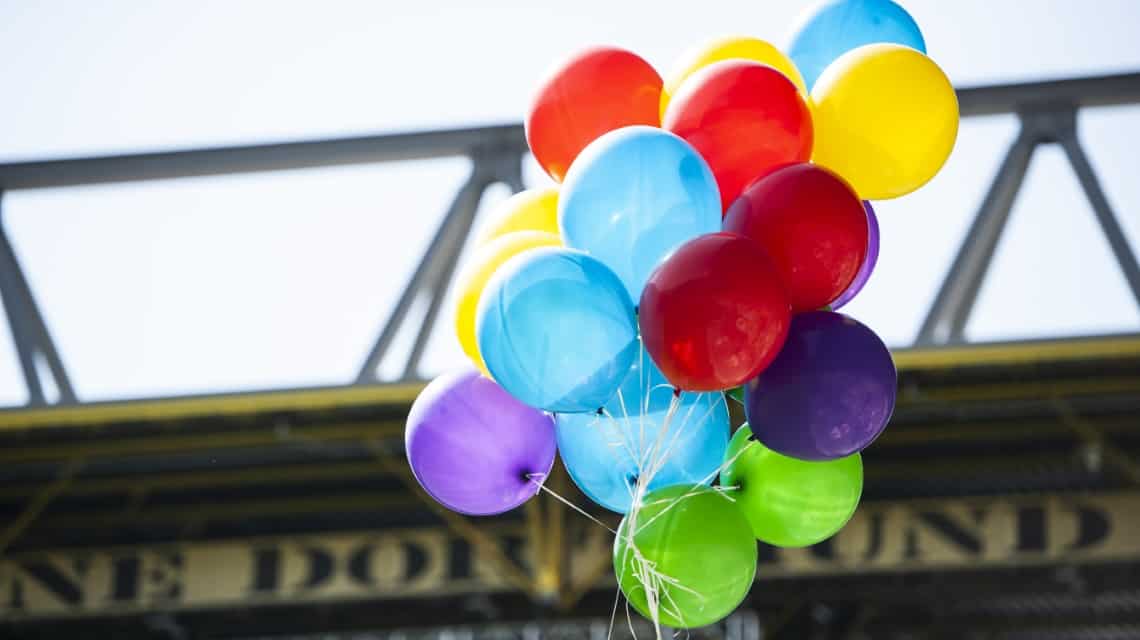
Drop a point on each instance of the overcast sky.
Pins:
(284, 279)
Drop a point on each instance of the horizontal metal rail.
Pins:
(309, 154)
(1097, 91)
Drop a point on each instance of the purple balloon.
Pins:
(869, 261)
(474, 447)
(828, 394)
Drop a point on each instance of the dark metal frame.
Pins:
(1046, 111)
(34, 345)
(1047, 114)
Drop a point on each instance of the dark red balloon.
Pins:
(745, 118)
(713, 314)
(813, 226)
(593, 92)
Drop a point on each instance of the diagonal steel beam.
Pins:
(430, 277)
(38, 503)
(1092, 435)
(435, 271)
(467, 206)
(955, 300)
(461, 526)
(1071, 143)
(29, 332)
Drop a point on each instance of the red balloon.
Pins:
(813, 226)
(745, 118)
(714, 314)
(597, 90)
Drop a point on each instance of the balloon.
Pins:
(868, 265)
(530, 210)
(830, 29)
(828, 394)
(557, 330)
(811, 224)
(736, 393)
(606, 454)
(473, 281)
(714, 314)
(790, 502)
(745, 118)
(474, 448)
(886, 118)
(597, 90)
(729, 48)
(633, 196)
(695, 555)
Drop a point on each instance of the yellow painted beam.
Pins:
(401, 395)
(1019, 353)
(196, 514)
(206, 478)
(188, 442)
(231, 405)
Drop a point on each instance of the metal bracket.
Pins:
(946, 321)
(29, 332)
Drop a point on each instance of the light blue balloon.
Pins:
(633, 196)
(557, 330)
(832, 28)
(606, 453)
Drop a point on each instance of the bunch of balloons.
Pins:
(703, 232)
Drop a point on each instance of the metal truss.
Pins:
(1047, 114)
(1046, 111)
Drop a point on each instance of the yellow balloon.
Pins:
(530, 210)
(474, 279)
(730, 48)
(886, 118)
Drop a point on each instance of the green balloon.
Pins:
(695, 546)
(791, 502)
(736, 393)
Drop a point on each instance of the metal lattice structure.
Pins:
(1009, 477)
(1046, 112)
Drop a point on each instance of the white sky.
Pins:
(284, 279)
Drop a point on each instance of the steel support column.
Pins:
(430, 278)
(435, 271)
(29, 332)
(951, 308)
(1071, 143)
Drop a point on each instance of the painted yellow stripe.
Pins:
(1019, 353)
(401, 395)
(221, 405)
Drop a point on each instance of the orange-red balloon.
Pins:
(597, 90)
(813, 226)
(747, 119)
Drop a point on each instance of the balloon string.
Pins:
(643, 569)
(613, 613)
(722, 491)
(535, 478)
(650, 460)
